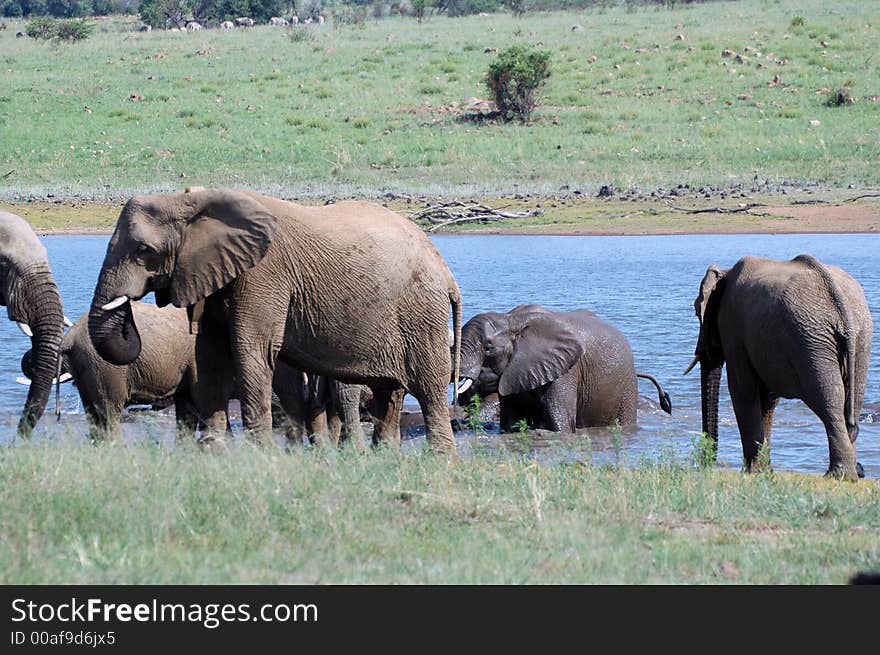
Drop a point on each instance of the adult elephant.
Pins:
(557, 370)
(349, 290)
(786, 329)
(32, 300)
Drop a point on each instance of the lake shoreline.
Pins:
(830, 211)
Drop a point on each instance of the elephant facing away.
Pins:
(785, 329)
(557, 370)
(348, 290)
(31, 297)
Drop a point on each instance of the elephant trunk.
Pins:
(710, 382)
(469, 372)
(42, 305)
(111, 324)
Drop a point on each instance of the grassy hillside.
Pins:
(636, 98)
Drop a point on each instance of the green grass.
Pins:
(356, 111)
(142, 514)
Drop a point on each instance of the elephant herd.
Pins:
(310, 315)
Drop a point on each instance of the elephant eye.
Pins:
(144, 249)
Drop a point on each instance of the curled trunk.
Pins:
(41, 303)
(113, 332)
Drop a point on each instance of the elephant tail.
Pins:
(455, 301)
(665, 401)
(847, 347)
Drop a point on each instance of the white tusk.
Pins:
(23, 380)
(464, 386)
(68, 322)
(65, 377)
(693, 363)
(24, 327)
(113, 304)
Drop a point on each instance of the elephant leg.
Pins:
(559, 407)
(827, 402)
(212, 387)
(389, 404)
(745, 395)
(334, 427)
(186, 418)
(508, 415)
(347, 398)
(435, 412)
(287, 418)
(289, 410)
(768, 405)
(317, 412)
(104, 424)
(255, 395)
(319, 428)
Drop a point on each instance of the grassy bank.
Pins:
(139, 514)
(640, 98)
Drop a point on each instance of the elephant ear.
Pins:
(226, 233)
(545, 348)
(706, 308)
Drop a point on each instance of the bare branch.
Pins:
(864, 195)
(743, 209)
(441, 215)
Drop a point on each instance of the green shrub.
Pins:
(59, 29)
(514, 79)
(300, 33)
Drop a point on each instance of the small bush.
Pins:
(300, 34)
(840, 97)
(55, 29)
(515, 77)
(797, 21)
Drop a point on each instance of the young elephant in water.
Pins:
(558, 370)
(163, 373)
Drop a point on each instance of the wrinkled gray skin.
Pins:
(785, 329)
(557, 370)
(349, 290)
(31, 298)
(165, 372)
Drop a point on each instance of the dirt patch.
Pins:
(844, 218)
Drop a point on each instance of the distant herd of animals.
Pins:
(242, 21)
(310, 316)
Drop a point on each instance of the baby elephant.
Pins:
(557, 370)
(163, 373)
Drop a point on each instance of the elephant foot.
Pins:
(444, 449)
(213, 444)
(841, 473)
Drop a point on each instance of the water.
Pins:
(644, 285)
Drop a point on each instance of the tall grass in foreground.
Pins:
(639, 97)
(143, 514)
